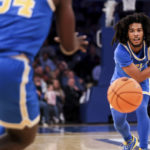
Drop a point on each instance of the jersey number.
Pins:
(25, 6)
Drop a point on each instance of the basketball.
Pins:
(125, 95)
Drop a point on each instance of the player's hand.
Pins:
(81, 42)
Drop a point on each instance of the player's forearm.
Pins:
(136, 74)
(65, 15)
(143, 75)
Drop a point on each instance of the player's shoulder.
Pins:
(122, 49)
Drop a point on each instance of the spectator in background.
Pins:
(44, 119)
(78, 81)
(51, 99)
(39, 72)
(84, 67)
(64, 77)
(71, 106)
(46, 61)
(56, 74)
(48, 48)
(47, 74)
(59, 72)
(36, 62)
(60, 98)
(62, 65)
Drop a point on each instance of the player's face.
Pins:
(135, 34)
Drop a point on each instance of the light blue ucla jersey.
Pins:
(124, 56)
(24, 25)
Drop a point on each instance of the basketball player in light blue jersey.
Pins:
(24, 25)
(131, 58)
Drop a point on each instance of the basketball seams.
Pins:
(122, 85)
(118, 96)
(130, 92)
(128, 102)
(114, 93)
(117, 101)
(111, 91)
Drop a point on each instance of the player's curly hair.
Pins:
(121, 28)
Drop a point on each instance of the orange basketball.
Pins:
(125, 95)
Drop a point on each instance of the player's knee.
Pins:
(118, 118)
(119, 122)
(142, 110)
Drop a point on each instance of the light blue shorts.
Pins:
(19, 105)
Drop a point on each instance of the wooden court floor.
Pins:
(78, 137)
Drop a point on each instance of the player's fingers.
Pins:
(57, 39)
(76, 33)
(82, 37)
(84, 43)
(82, 49)
(83, 40)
